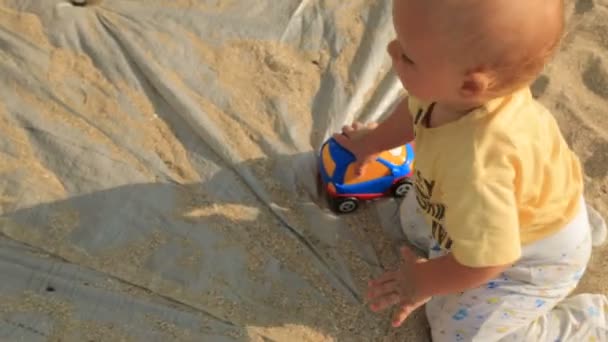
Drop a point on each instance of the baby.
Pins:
(505, 223)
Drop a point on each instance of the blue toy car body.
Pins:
(389, 173)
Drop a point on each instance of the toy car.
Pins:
(390, 173)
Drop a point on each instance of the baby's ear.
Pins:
(475, 85)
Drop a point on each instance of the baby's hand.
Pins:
(397, 288)
(351, 139)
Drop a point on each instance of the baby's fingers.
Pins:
(381, 290)
(401, 315)
(360, 168)
(405, 310)
(343, 140)
(357, 125)
(386, 277)
(384, 302)
(407, 254)
(347, 129)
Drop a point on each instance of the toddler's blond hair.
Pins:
(509, 40)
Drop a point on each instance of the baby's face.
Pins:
(420, 57)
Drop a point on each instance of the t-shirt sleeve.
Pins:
(482, 220)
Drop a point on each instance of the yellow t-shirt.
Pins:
(496, 179)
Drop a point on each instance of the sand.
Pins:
(575, 88)
(273, 83)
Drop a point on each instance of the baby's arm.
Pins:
(445, 275)
(395, 131)
(417, 280)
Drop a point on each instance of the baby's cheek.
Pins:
(409, 82)
(393, 50)
(423, 89)
(404, 75)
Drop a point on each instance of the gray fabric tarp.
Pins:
(157, 170)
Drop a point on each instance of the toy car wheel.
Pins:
(346, 205)
(401, 188)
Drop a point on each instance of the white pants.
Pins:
(528, 302)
